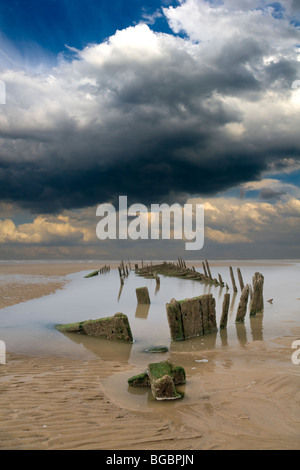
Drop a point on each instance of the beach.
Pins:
(241, 397)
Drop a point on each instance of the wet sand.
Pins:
(247, 398)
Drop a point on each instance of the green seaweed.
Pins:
(92, 274)
(159, 369)
(157, 349)
(178, 375)
(82, 326)
(140, 380)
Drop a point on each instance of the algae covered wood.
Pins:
(232, 279)
(142, 295)
(116, 327)
(240, 278)
(257, 301)
(208, 313)
(164, 388)
(191, 317)
(175, 320)
(92, 274)
(192, 320)
(242, 307)
(162, 377)
(140, 380)
(225, 309)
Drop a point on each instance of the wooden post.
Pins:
(240, 277)
(225, 308)
(208, 270)
(242, 308)
(220, 280)
(232, 279)
(142, 295)
(257, 302)
(204, 268)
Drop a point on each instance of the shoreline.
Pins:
(246, 398)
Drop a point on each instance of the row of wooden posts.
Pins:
(253, 291)
(255, 294)
(124, 271)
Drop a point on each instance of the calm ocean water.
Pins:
(28, 328)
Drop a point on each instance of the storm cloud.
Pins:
(155, 116)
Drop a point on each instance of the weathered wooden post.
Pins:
(191, 317)
(142, 295)
(232, 279)
(204, 269)
(208, 270)
(162, 377)
(225, 308)
(240, 277)
(242, 308)
(257, 301)
(114, 328)
(220, 280)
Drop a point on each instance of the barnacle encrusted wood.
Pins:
(115, 328)
(191, 317)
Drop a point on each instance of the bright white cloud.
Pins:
(44, 229)
(206, 21)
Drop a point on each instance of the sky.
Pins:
(186, 101)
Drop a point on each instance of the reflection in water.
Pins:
(207, 289)
(142, 311)
(224, 336)
(231, 308)
(220, 292)
(120, 292)
(157, 288)
(241, 333)
(107, 350)
(256, 323)
(199, 343)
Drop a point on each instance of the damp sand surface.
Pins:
(67, 391)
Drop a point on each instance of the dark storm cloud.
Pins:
(149, 116)
(145, 179)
